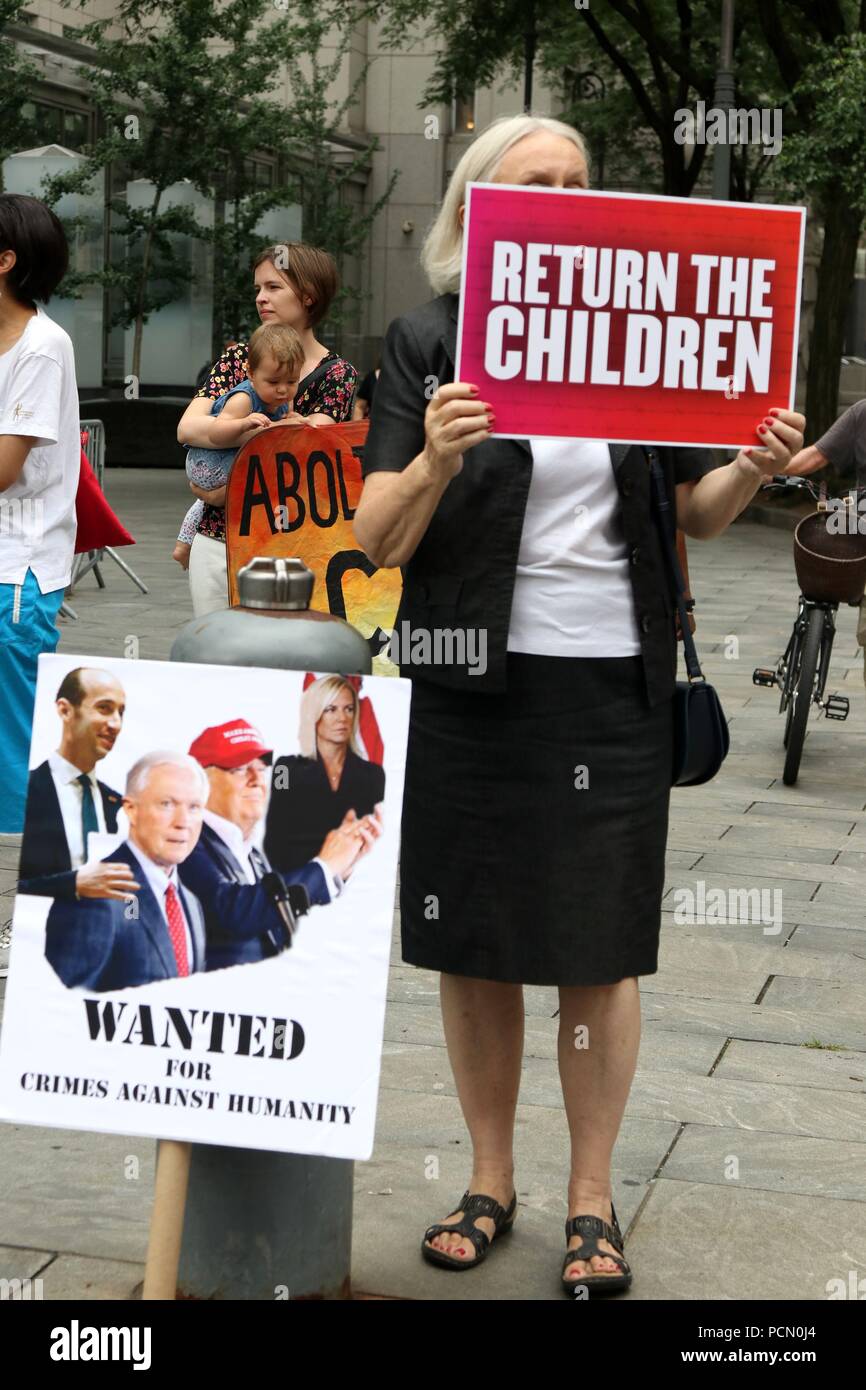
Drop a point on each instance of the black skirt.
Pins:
(534, 825)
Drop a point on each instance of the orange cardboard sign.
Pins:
(293, 491)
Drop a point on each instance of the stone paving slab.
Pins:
(770, 866)
(806, 812)
(810, 1166)
(70, 1193)
(810, 995)
(728, 933)
(19, 1263)
(823, 938)
(737, 843)
(727, 956)
(665, 1052)
(77, 1277)
(843, 894)
(784, 1064)
(698, 1240)
(759, 829)
(790, 887)
(749, 1105)
(726, 1018)
(827, 914)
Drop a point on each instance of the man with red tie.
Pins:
(155, 931)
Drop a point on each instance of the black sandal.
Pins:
(593, 1229)
(472, 1207)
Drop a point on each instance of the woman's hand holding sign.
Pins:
(455, 420)
(706, 508)
(395, 508)
(781, 432)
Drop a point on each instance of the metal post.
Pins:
(723, 99)
(264, 1226)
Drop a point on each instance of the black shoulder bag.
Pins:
(701, 738)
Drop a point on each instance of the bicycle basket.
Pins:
(830, 568)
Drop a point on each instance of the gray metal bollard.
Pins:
(263, 1225)
(266, 1226)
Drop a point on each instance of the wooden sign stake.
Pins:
(166, 1221)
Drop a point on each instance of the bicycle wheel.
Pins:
(801, 696)
(792, 663)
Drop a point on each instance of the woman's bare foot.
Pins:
(498, 1185)
(181, 554)
(589, 1199)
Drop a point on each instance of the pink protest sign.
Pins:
(629, 318)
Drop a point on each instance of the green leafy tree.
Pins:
(330, 164)
(804, 57)
(181, 93)
(191, 92)
(19, 75)
(819, 50)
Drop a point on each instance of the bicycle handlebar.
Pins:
(784, 480)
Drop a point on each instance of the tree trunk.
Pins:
(842, 227)
(142, 290)
(530, 37)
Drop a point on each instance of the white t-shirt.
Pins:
(38, 397)
(572, 594)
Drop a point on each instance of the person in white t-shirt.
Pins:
(40, 458)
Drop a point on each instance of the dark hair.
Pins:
(71, 687)
(36, 235)
(310, 272)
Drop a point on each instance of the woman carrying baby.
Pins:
(265, 397)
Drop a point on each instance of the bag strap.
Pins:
(315, 376)
(664, 517)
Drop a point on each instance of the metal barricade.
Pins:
(93, 444)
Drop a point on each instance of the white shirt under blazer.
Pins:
(572, 592)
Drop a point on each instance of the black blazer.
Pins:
(100, 944)
(46, 866)
(462, 573)
(303, 808)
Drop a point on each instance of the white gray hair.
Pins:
(313, 702)
(442, 252)
(138, 774)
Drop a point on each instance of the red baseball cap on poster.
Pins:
(230, 745)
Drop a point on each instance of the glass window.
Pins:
(76, 128)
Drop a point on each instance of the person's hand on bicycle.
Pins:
(781, 434)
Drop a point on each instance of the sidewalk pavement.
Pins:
(740, 1170)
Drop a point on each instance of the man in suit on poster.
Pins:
(156, 930)
(231, 875)
(66, 801)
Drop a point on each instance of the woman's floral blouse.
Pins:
(332, 394)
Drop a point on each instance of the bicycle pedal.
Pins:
(762, 676)
(836, 706)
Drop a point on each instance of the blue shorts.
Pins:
(27, 628)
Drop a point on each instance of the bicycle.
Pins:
(828, 576)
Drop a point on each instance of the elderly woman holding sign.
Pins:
(536, 804)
